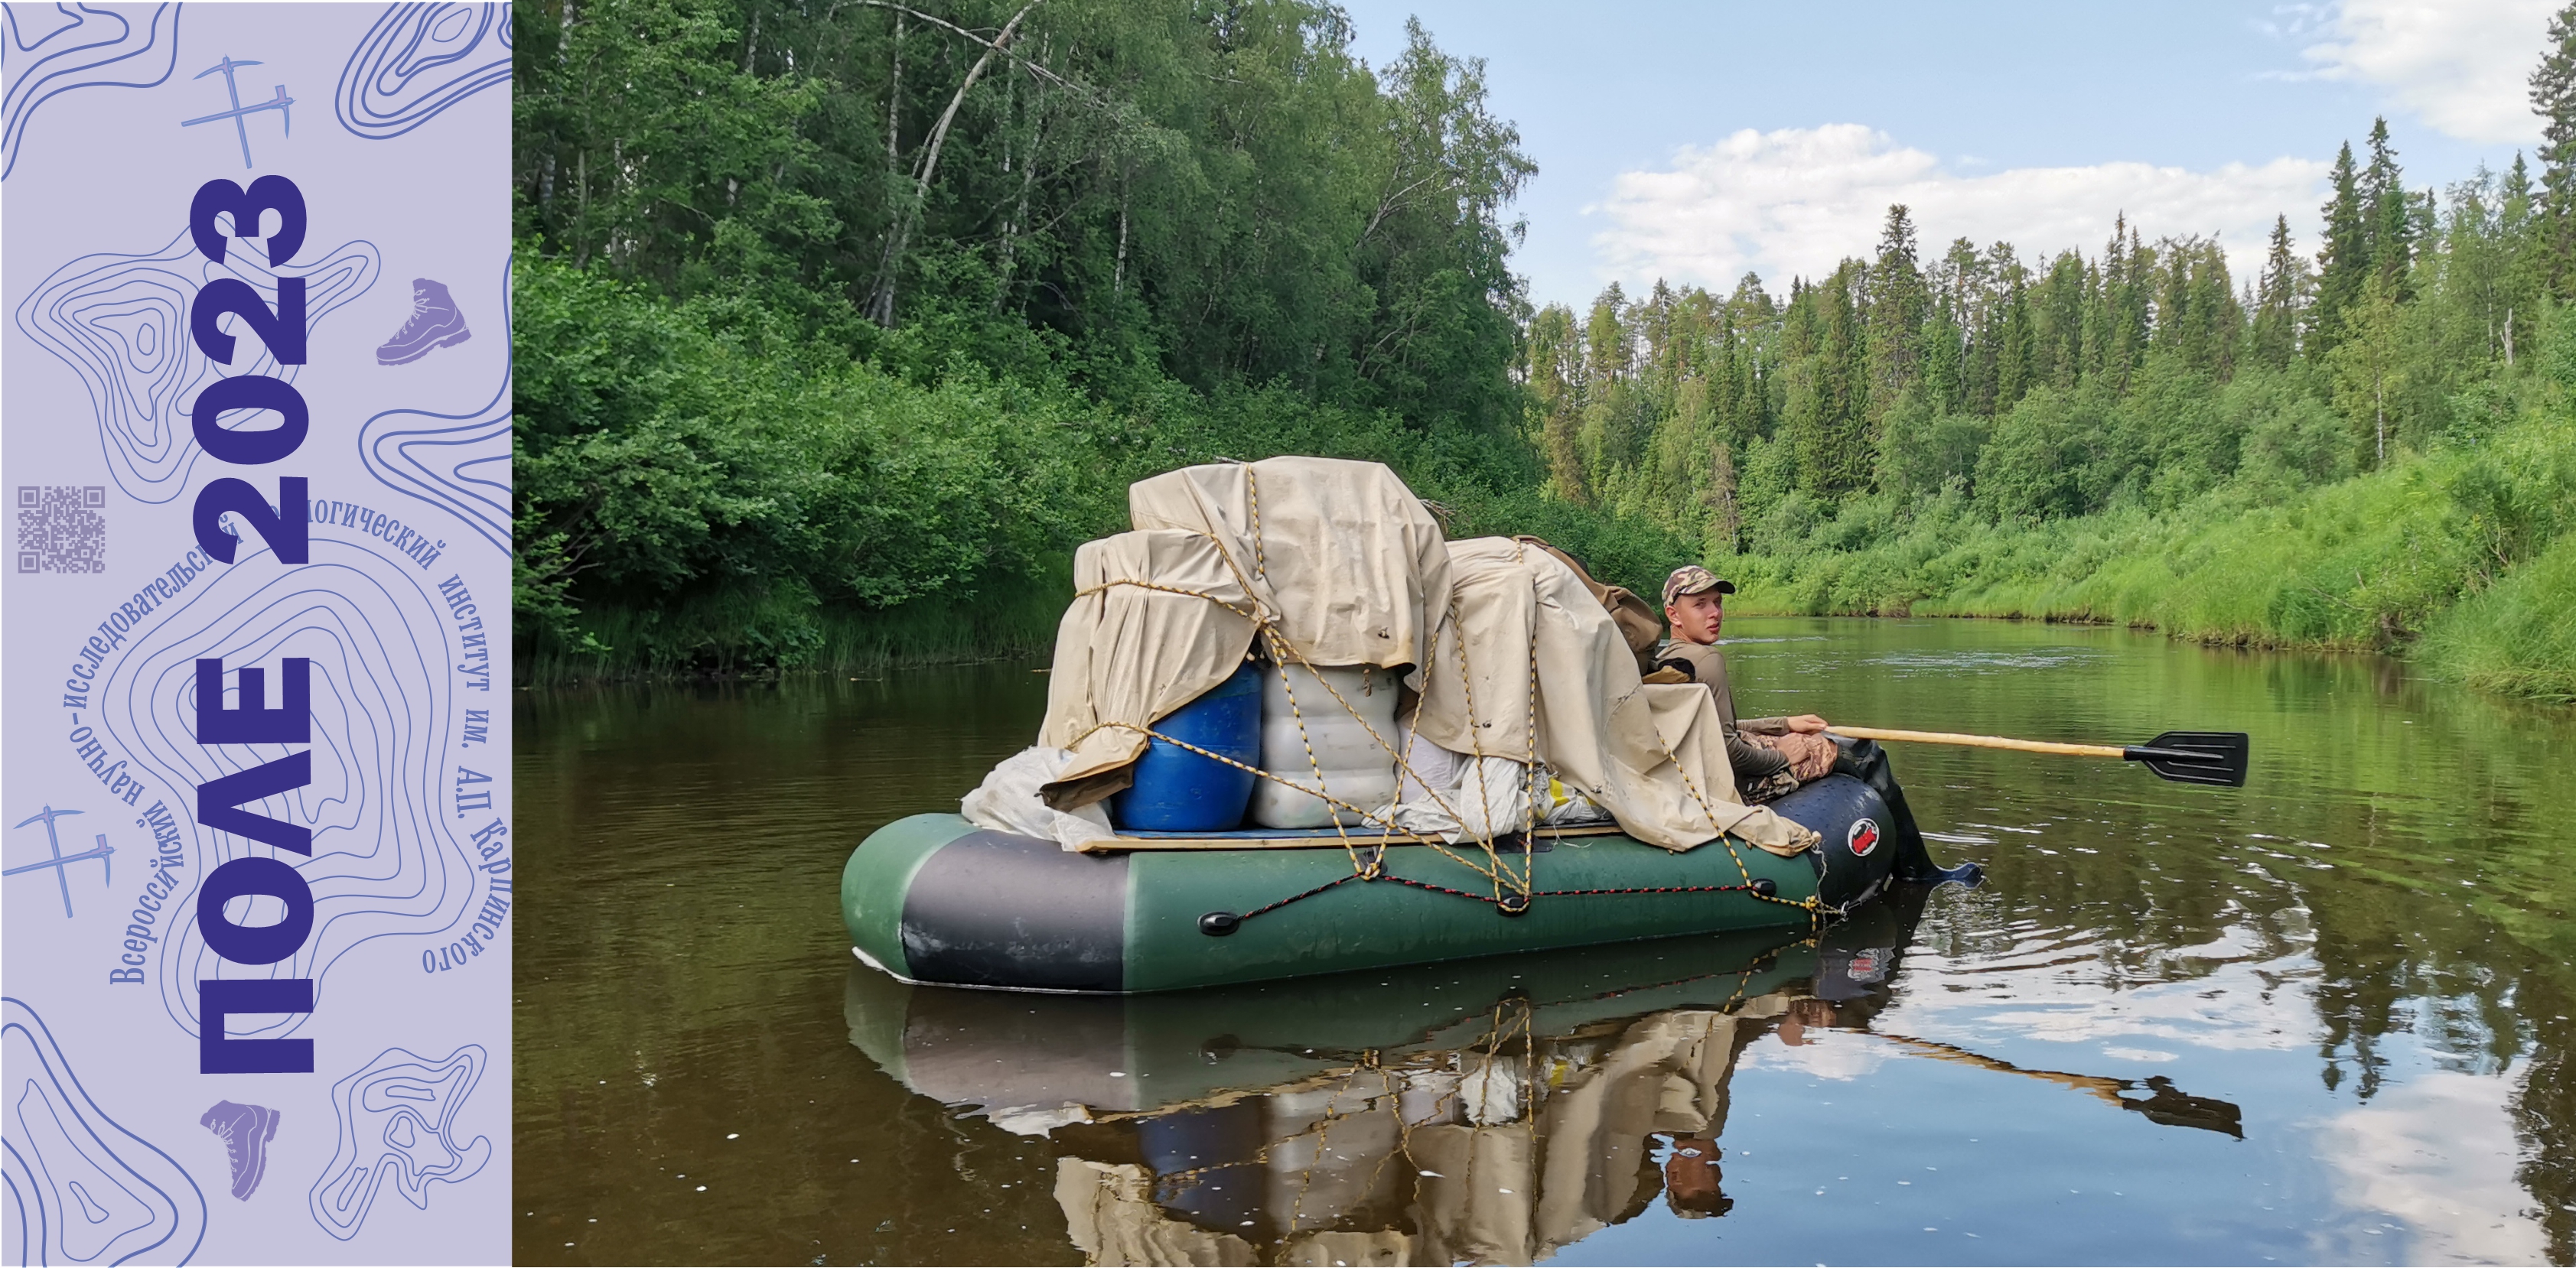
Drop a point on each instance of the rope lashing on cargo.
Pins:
(1260, 551)
(1510, 890)
(1529, 725)
(1360, 870)
(1268, 628)
(1761, 889)
(1088, 591)
(1289, 688)
(1484, 795)
(1281, 649)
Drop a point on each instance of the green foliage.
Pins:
(701, 452)
(2037, 464)
(2515, 637)
(1105, 193)
(703, 490)
(838, 329)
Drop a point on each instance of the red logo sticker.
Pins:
(1863, 838)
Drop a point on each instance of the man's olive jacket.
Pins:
(1708, 667)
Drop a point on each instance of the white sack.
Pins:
(1332, 730)
(1008, 801)
(1485, 798)
(1566, 807)
(1425, 765)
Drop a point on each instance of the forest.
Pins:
(2366, 447)
(839, 323)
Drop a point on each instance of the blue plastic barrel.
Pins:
(1177, 790)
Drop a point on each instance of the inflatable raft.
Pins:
(933, 899)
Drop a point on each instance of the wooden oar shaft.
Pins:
(1982, 741)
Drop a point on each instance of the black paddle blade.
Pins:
(2196, 757)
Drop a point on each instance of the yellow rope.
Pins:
(1476, 743)
(1369, 870)
(1260, 555)
(1811, 905)
(1485, 836)
(1152, 585)
(1279, 642)
(1391, 829)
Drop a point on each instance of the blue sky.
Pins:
(1694, 141)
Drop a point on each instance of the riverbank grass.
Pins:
(2458, 558)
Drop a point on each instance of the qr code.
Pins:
(62, 528)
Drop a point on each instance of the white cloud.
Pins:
(1823, 1054)
(1798, 200)
(2440, 1154)
(2461, 65)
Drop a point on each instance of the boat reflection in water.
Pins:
(1491, 1110)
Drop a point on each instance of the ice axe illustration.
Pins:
(278, 103)
(61, 861)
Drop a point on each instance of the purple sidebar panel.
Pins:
(254, 633)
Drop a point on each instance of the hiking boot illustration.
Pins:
(245, 1131)
(434, 324)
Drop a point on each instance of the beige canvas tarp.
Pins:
(1348, 568)
(1340, 557)
(1651, 755)
(1358, 565)
(1158, 618)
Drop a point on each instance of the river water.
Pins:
(2325, 1017)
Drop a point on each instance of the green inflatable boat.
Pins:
(935, 900)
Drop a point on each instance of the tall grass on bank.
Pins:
(2517, 636)
(2459, 556)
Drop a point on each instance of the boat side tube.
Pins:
(933, 899)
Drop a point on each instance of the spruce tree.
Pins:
(2518, 222)
(2387, 213)
(2343, 262)
(2058, 326)
(1607, 441)
(2016, 342)
(1608, 346)
(2553, 98)
(2279, 301)
(1824, 358)
(1897, 301)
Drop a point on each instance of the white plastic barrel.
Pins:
(1356, 769)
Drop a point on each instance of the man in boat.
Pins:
(1771, 757)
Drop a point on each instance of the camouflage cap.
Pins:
(1693, 579)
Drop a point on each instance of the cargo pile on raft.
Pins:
(1293, 729)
